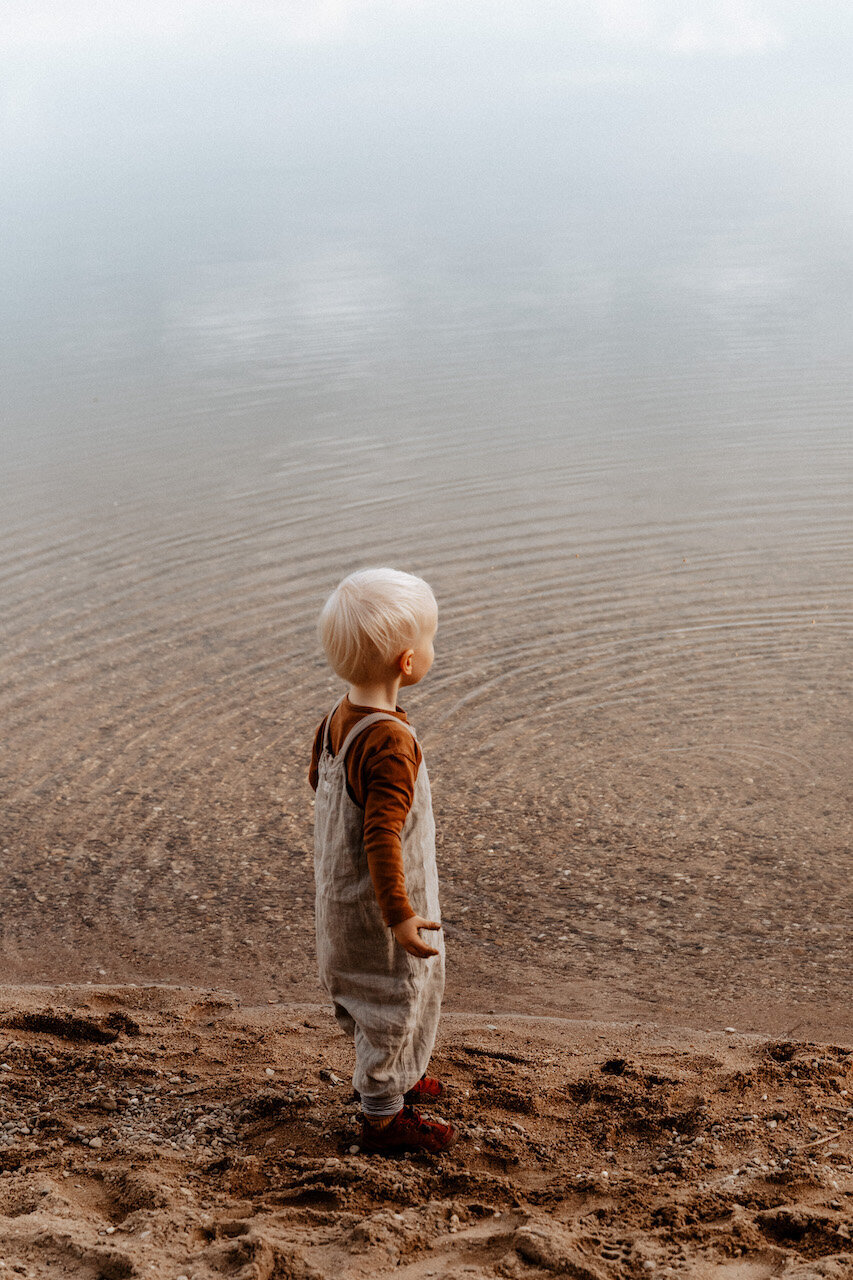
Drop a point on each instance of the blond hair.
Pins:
(371, 618)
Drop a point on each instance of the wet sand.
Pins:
(175, 1132)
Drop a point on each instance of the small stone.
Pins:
(111, 1231)
(730, 1030)
(269, 1072)
(354, 1150)
(289, 1151)
(95, 1142)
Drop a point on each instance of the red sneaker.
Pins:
(409, 1131)
(426, 1090)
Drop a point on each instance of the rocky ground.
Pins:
(169, 1132)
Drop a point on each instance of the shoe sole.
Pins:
(371, 1149)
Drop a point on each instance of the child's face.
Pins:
(422, 656)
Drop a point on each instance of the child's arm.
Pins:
(388, 787)
(386, 775)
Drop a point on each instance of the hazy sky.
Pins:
(72, 70)
(417, 149)
(677, 27)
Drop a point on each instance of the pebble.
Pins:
(269, 1072)
(95, 1142)
(730, 1030)
(354, 1150)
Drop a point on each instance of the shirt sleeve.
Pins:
(388, 785)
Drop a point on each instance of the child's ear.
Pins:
(406, 658)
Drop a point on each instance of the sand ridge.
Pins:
(167, 1131)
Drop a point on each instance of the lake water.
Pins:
(556, 315)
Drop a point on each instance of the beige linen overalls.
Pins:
(387, 1000)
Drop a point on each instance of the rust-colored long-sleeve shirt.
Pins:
(382, 766)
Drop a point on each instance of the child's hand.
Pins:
(406, 933)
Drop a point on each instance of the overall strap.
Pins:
(329, 721)
(364, 723)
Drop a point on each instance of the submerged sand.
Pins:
(166, 1131)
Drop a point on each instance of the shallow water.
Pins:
(588, 374)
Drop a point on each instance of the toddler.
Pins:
(374, 855)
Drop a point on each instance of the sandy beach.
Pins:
(167, 1131)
